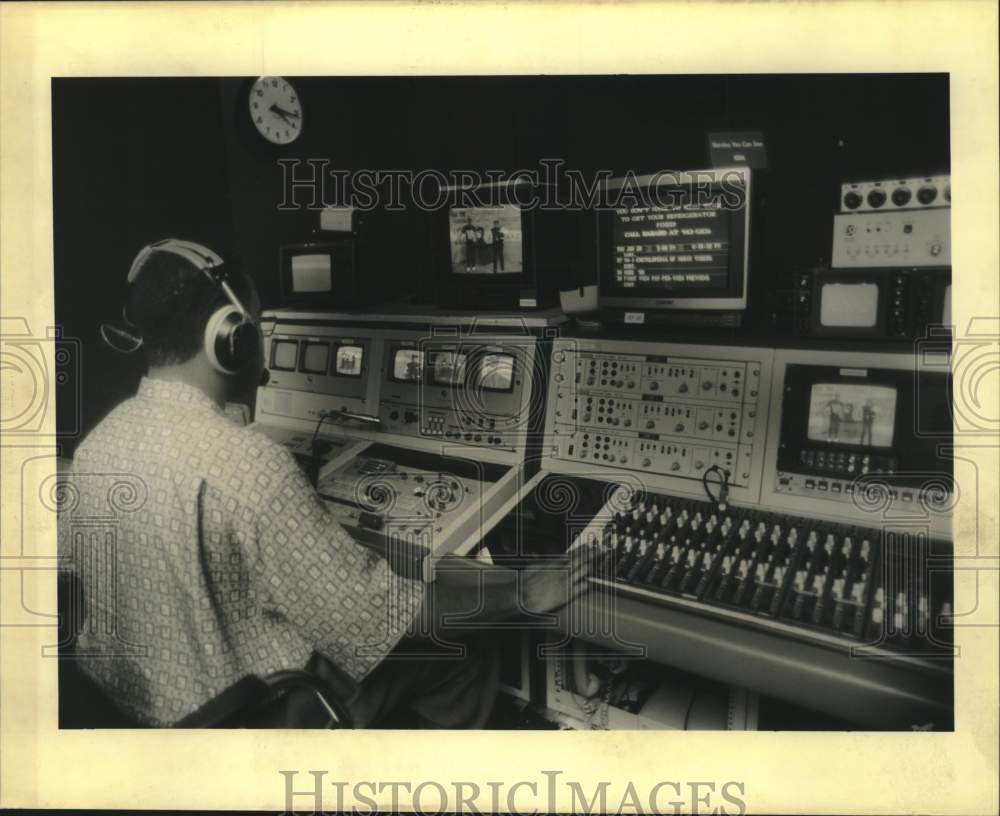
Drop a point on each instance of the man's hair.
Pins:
(171, 300)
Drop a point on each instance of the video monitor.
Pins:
(861, 415)
(349, 361)
(312, 273)
(486, 240)
(315, 358)
(408, 365)
(676, 240)
(496, 372)
(448, 367)
(849, 305)
(284, 354)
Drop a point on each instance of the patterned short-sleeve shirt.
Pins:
(217, 559)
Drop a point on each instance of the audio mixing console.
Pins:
(771, 517)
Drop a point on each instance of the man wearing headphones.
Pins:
(231, 565)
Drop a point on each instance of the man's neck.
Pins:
(195, 373)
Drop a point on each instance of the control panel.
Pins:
(833, 540)
(844, 442)
(666, 410)
(386, 498)
(316, 370)
(892, 239)
(922, 192)
(471, 392)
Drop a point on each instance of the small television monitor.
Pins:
(315, 357)
(494, 248)
(848, 421)
(318, 274)
(843, 413)
(448, 367)
(348, 360)
(284, 355)
(675, 241)
(850, 304)
(407, 365)
(496, 372)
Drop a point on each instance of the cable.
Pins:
(687, 714)
(313, 456)
(723, 497)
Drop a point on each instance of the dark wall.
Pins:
(135, 160)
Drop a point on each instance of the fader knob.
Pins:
(876, 198)
(852, 201)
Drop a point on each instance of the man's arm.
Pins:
(471, 592)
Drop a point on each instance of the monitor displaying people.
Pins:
(486, 240)
(852, 414)
(408, 365)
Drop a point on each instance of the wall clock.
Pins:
(275, 110)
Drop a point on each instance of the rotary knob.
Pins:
(947, 193)
(926, 194)
(852, 201)
(876, 198)
(901, 196)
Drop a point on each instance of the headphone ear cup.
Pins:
(221, 332)
(245, 343)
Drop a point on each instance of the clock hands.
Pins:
(283, 113)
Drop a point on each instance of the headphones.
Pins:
(231, 336)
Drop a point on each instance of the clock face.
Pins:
(275, 110)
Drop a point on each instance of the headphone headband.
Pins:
(199, 256)
(230, 331)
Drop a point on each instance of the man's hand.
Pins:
(552, 585)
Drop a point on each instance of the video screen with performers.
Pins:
(447, 367)
(852, 414)
(408, 365)
(496, 372)
(486, 240)
(349, 360)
